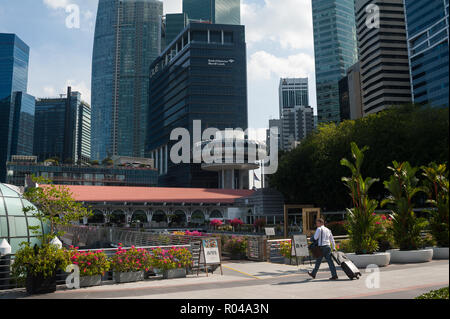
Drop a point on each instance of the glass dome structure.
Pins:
(14, 222)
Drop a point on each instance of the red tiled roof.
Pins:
(155, 194)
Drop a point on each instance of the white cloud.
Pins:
(81, 87)
(173, 6)
(287, 22)
(264, 66)
(56, 4)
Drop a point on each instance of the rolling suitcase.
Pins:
(346, 264)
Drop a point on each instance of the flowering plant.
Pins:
(90, 263)
(132, 260)
(236, 245)
(216, 222)
(173, 258)
(194, 233)
(286, 248)
(236, 222)
(260, 223)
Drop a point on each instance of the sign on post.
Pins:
(299, 247)
(270, 231)
(210, 254)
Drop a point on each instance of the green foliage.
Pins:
(362, 226)
(236, 245)
(286, 248)
(55, 205)
(131, 260)
(173, 258)
(442, 293)
(403, 187)
(345, 246)
(338, 228)
(311, 174)
(436, 183)
(38, 261)
(91, 263)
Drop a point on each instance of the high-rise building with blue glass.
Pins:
(127, 40)
(427, 27)
(335, 51)
(16, 107)
(213, 11)
(201, 76)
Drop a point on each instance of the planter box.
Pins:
(90, 281)
(440, 252)
(40, 285)
(411, 256)
(362, 261)
(124, 277)
(174, 273)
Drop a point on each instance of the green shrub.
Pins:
(435, 294)
(338, 228)
(345, 246)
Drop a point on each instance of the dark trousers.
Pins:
(326, 251)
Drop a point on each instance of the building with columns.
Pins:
(157, 207)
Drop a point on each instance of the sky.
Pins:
(279, 39)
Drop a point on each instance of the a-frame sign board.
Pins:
(299, 244)
(209, 255)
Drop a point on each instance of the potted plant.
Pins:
(403, 186)
(54, 206)
(216, 223)
(173, 263)
(286, 251)
(93, 265)
(436, 183)
(130, 265)
(236, 224)
(363, 224)
(259, 224)
(37, 266)
(237, 247)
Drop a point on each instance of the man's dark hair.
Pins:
(320, 220)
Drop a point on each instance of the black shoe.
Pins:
(310, 273)
(334, 278)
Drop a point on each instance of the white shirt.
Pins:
(326, 237)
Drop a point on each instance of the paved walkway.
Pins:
(271, 281)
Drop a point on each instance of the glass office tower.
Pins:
(16, 107)
(428, 41)
(173, 24)
(335, 51)
(126, 42)
(201, 76)
(214, 11)
(63, 129)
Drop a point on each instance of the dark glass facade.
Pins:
(15, 105)
(202, 76)
(127, 40)
(62, 129)
(82, 175)
(428, 41)
(214, 11)
(335, 50)
(174, 24)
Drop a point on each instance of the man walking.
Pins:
(325, 241)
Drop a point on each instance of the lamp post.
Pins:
(5, 264)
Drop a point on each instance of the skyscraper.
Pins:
(335, 51)
(63, 129)
(126, 42)
(350, 94)
(297, 117)
(16, 107)
(214, 11)
(173, 24)
(385, 79)
(428, 40)
(201, 76)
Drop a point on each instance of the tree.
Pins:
(361, 219)
(311, 174)
(55, 205)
